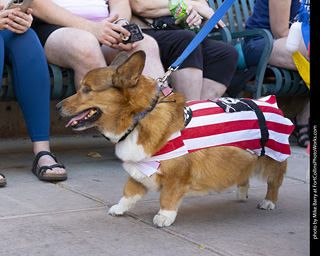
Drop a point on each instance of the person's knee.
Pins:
(73, 48)
(88, 50)
(149, 45)
(15, 41)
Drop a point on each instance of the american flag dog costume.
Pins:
(254, 125)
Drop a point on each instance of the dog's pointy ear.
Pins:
(130, 71)
(120, 59)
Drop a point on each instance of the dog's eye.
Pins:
(85, 90)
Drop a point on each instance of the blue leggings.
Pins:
(30, 78)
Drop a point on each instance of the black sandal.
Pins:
(40, 172)
(298, 134)
(3, 181)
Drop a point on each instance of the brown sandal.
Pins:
(40, 172)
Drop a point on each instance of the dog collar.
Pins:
(166, 91)
(141, 115)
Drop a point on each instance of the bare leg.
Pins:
(187, 81)
(280, 57)
(76, 49)
(303, 119)
(153, 67)
(212, 89)
(304, 115)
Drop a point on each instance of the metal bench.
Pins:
(268, 79)
(62, 83)
(279, 81)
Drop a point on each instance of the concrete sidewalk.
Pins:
(70, 217)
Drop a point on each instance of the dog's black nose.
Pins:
(59, 105)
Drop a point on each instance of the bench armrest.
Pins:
(221, 34)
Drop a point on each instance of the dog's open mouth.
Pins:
(85, 118)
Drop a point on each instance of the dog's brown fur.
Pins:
(119, 93)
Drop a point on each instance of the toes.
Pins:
(47, 160)
(56, 171)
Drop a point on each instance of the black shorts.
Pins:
(43, 30)
(217, 60)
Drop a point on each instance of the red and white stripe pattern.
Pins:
(211, 126)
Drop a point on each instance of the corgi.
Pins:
(148, 128)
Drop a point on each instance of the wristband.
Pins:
(121, 20)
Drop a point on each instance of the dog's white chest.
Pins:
(148, 182)
(129, 150)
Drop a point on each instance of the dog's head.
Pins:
(110, 97)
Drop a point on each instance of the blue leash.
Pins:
(203, 32)
(206, 29)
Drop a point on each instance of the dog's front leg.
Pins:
(132, 193)
(170, 198)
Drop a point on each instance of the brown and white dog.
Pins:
(128, 109)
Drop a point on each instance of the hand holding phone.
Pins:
(16, 20)
(22, 4)
(135, 33)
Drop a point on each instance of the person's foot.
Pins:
(46, 167)
(47, 160)
(3, 180)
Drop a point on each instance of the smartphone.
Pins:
(135, 31)
(22, 4)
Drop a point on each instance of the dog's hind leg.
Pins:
(276, 172)
(243, 190)
(133, 192)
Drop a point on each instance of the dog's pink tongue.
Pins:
(78, 117)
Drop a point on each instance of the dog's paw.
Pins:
(116, 210)
(266, 205)
(124, 205)
(164, 218)
(242, 193)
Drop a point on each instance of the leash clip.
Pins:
(166, 90)
(166, 75)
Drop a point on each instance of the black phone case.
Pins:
(135, 31)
